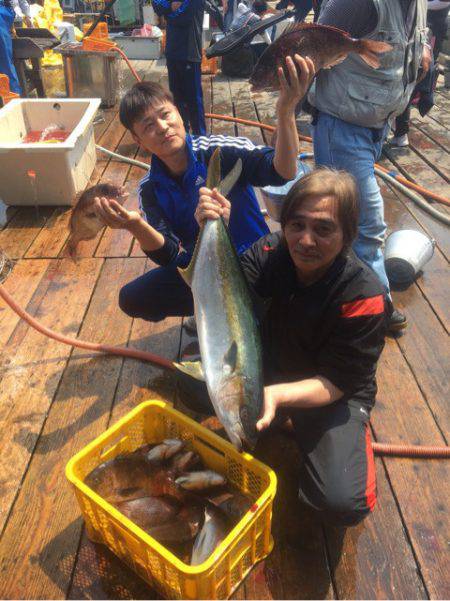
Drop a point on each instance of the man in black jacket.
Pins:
(184, 57)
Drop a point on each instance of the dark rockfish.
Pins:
(325, 46)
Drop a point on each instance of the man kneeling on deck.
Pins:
(322, 326)
(169, 193)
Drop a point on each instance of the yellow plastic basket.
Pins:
(249, 542)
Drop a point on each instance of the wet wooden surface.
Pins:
(54, 399)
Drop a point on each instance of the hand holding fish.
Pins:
(113, 214)
(301, 72)
(212, 205)
(269, 409)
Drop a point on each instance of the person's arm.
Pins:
(155, 238)
(162, 8)
(304, 394)
(346, 364)
(287, 145)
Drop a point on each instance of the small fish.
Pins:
(182, 462)
(180, 530)
(212, 533)
(167, 449)
(147, 512)
(326, 46)
(200, 480)
(84, 223)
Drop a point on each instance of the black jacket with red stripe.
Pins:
(333, 328)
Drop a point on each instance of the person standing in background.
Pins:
(7, 16)
(354, 104)
(437, 22)
(184, 56)
(22, 10)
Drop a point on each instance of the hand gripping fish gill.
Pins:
(229, 340)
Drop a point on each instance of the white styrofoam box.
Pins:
(139, 47)
(62, 169)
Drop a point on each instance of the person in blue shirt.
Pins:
(166, 227)
(6, 53)
(184, 57)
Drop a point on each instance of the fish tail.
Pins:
(369, 49)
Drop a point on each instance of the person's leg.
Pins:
(175, 72)
(337, 477)
(402, 128)
(345, 146)
(6, 53)
(193, 97)
(302, 8)
(437, 22)
(158, 294)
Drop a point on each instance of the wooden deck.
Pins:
(54, 399)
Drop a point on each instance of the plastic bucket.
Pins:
(274, 196)
(406, 252)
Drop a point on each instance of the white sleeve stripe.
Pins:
(206, 142)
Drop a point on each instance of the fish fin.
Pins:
(305, 26)
(230, 357)
(213, 177)
(192, 368)
(368, 50)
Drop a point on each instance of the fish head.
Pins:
(237, 416)
(264, 76)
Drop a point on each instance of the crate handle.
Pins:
(209, 445)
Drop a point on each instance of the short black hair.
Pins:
(139, 98)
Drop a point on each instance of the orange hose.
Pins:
(379, 448)
(91, 346)
(406, 182)
(399, 450)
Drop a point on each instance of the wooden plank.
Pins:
(434, 131)
(435, 228)
(374, 560)
(435, 156)
(21, 284)
(22, 229)
(33, 367)
(421, 487)
(40, 540)
(222, 105)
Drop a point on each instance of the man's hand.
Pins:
(114, 215)
(301, 73)
(427, 57)
(175, 6)
(269, 409)
(212, 205)
(28, 22)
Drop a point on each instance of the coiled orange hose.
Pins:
(379, 448)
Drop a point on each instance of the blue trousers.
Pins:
(6, 54)
(185, 83)
(158, 294)
(356, 149)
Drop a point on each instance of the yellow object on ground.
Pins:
(247, 543)
(48, 17)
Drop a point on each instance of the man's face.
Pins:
(161, 130)
(314, 236)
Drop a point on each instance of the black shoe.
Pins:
(396, 321)
(282, 5)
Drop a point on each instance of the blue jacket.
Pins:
(169, 204)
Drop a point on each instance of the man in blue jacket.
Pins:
(166, 227)
(184, 57)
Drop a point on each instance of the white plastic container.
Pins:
(138, 47)
(61, 169)
(406, 253)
